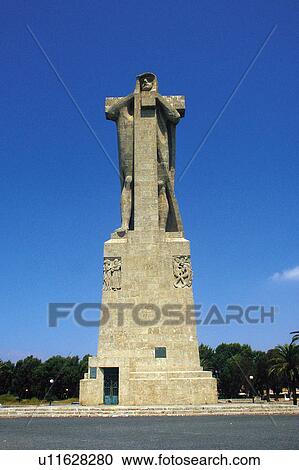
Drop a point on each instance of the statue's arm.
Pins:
(113, 111)
(171, 113)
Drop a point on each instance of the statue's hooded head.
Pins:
(147, 82)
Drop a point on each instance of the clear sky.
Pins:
(60, 194)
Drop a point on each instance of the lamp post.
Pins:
(51, 382)
(252, 388)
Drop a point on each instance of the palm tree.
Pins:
(285, 361)
(295, 337)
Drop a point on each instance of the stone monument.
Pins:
(148, 348)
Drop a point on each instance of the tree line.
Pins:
(56, 378)
(237, 367)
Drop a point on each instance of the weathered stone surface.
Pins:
(67, 411)
(147, 266)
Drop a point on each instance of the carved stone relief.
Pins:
(112, 274)
(182, 271)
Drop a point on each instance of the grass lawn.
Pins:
(12, 400)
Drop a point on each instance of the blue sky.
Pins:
(60, 194)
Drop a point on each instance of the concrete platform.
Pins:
(56, 411)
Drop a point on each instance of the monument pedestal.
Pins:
(150, 315)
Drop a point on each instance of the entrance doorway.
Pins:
(111, 381)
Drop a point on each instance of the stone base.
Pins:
(91, 392)
(102, 411)
(147, 277)
(174, 391)
(152, 386)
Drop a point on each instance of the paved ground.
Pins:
(177, 432)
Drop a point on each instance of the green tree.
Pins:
(206, 354)
(234, 363)
(236, 372)
(24, 377)
(83, 365)
(285, 362)
(40, 381)
(65, 371)
(72, 376)
(34, 375)
(225, 351)
(276, 381)
(263, 379)
(295, 337)
(6, 373)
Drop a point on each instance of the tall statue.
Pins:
(142, 359)
(168, 111)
